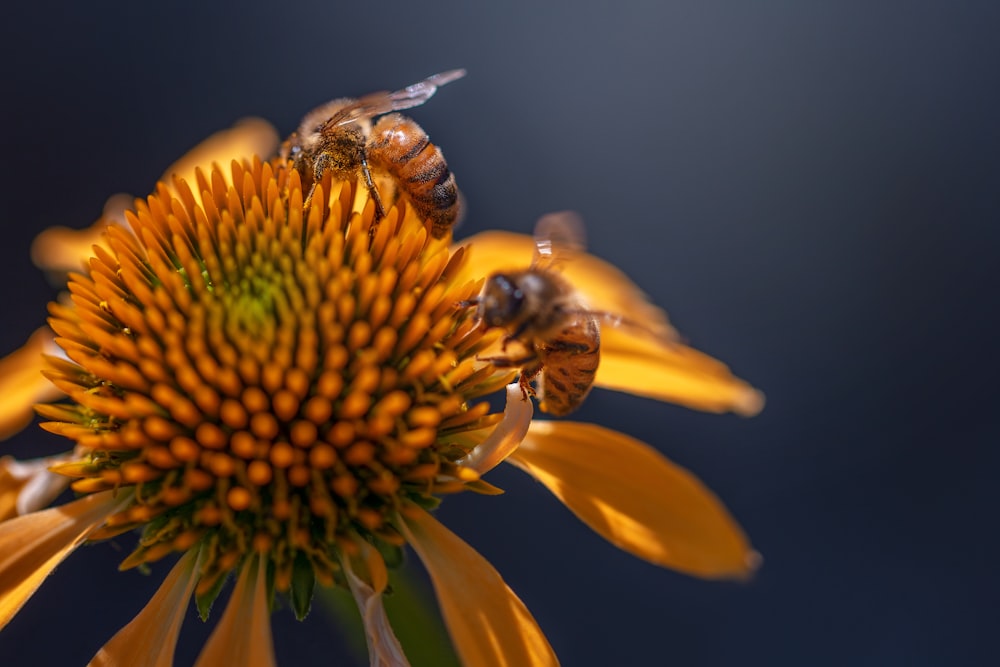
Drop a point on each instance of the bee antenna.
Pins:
(467, 303)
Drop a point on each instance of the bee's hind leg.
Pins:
(528, 374)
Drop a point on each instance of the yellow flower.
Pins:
(283, 395)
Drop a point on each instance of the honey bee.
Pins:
(339, 137)
(541, 311)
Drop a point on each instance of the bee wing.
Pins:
(558, 237)
(376, 104)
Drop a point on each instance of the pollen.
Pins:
(262, 378)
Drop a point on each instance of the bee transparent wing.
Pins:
(558, 237)
(376, 104)
(421, 91)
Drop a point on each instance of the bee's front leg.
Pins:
(372, 189)
(319, 167)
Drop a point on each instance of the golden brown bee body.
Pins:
(541, 311)
(339, 137)
(401, 148)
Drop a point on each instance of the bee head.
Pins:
(501, 301)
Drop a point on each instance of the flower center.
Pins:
(265, 378)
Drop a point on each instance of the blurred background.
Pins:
(812, 191)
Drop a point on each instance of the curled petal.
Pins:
(384, 649)
(22, 383)
(636, 499)
(670, 371)
(488, 623)
(243, 635)
(506, 435)
(31, 546)
(28, 486)
(150, 638)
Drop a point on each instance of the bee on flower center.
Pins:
(540, 309)
(339, 137)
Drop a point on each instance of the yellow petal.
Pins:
(506, 435)
(31, 546)
(28, 486)
(604, 287)
(22, 383)
(62, 249)
(488, 623)
(10, 489)
(671, 372)
(248, 137)
(384, 649)
(243, 635)
(636, 499)
(150, 639)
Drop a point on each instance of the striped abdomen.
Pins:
(401, 148)
(569, 362)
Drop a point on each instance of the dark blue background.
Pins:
(812, 190)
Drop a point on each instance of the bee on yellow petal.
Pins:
(560, 337)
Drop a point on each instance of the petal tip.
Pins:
(749, 403)
(752, 562)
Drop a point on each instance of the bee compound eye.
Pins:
(502, 300)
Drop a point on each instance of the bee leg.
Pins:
(309, 197)
(530, 366)
(509, 362)
(319, 168)
(513, 336)
(528, 374)
(372, 190)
